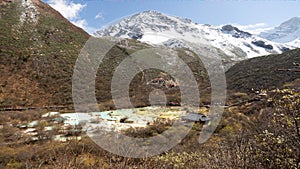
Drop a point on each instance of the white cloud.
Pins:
(71, 11)
(80, 23)
(68, 9)
(254, 28)
(99, 16)
(84, 25)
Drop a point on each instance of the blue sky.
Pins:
(251, 15)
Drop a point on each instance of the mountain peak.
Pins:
(286, 32)
(292, 24)
(294, 20)
(148, 21)
(151, 12)
(148, 13)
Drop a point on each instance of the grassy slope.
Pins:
(262, 72)
(37, 59)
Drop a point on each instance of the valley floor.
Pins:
(258, 130)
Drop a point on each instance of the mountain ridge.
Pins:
(156, 28)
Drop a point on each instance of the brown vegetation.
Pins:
(266, 138)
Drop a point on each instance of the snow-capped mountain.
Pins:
(159, 29)
(287, 32)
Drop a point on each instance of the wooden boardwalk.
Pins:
(18, 108)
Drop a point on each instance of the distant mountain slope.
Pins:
(287, 32)
(38, 49)
(263, 72)
(157, 28)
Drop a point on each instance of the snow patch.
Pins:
(29, 13)
(295, 43)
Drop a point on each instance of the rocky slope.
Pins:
(38, 48)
